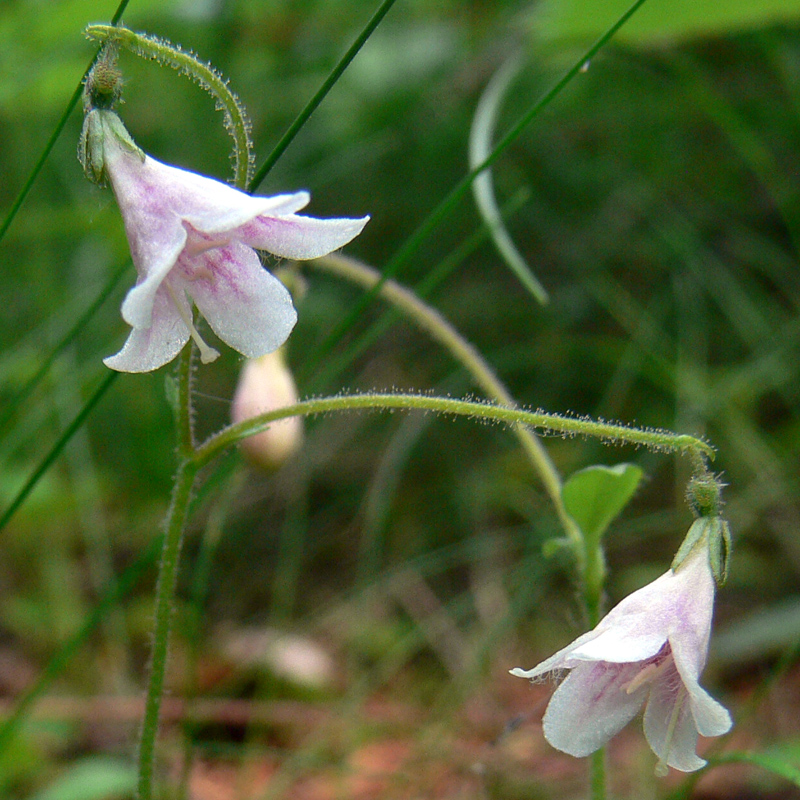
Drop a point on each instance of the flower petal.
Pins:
(591, 706)
(711, 717)
(137, 308)
(622, 643)
(149, 348)
(217, 207)
(669, 725)
(559, 660)
(246, 307)
(298, 237)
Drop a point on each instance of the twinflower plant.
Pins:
(194, 243)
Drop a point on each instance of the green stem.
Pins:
(662, 441)
(168, 574)
(236, 121)
(165, 596)
(440, 329)
(597, 774)
(593, 579)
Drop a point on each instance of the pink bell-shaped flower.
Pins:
(648, 650)
(194, 241)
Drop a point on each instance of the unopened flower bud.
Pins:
(103, 85)
(266, 384)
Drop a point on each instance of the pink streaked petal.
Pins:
(155, 197)
(591, 706)
(245, 306)
(137, 308)
(149, 348)
(299, 237)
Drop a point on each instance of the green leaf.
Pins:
(657, 20)
(93, 779)
(594, 496)
(480, 148)
(767, 761)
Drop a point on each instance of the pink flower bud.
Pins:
(266, 384)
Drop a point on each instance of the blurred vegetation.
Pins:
(656, 199)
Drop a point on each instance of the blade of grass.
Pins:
(119, 590)
(15, 402)
(56, 449)
(37, 167)
(457, 193)
(323, 90)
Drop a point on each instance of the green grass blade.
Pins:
(457, 193)
(323, 90)
(37, 168)
(15, 402)
(56, 449)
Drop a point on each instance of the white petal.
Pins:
(559, 660)
(215, 207)
(620, 644)
(247, 308)
(591, 706)
(149, 348)
(670, 731)
(299, 237)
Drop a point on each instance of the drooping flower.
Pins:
(266, 384)
(649, 649)
(193, 240)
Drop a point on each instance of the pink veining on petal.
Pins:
(648, 650)
(193, 238)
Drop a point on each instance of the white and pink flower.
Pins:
(193, 241)
(648, 650)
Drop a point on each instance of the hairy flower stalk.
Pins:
(193, 242)
(649, 650)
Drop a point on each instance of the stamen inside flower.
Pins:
(207, 354)
(661, 767)
(646, 675)
(198, 243)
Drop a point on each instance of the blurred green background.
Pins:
(657, 199)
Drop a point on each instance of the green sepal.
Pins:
(719, 550)
(704, 495)
(716, 533)
(98, 125)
